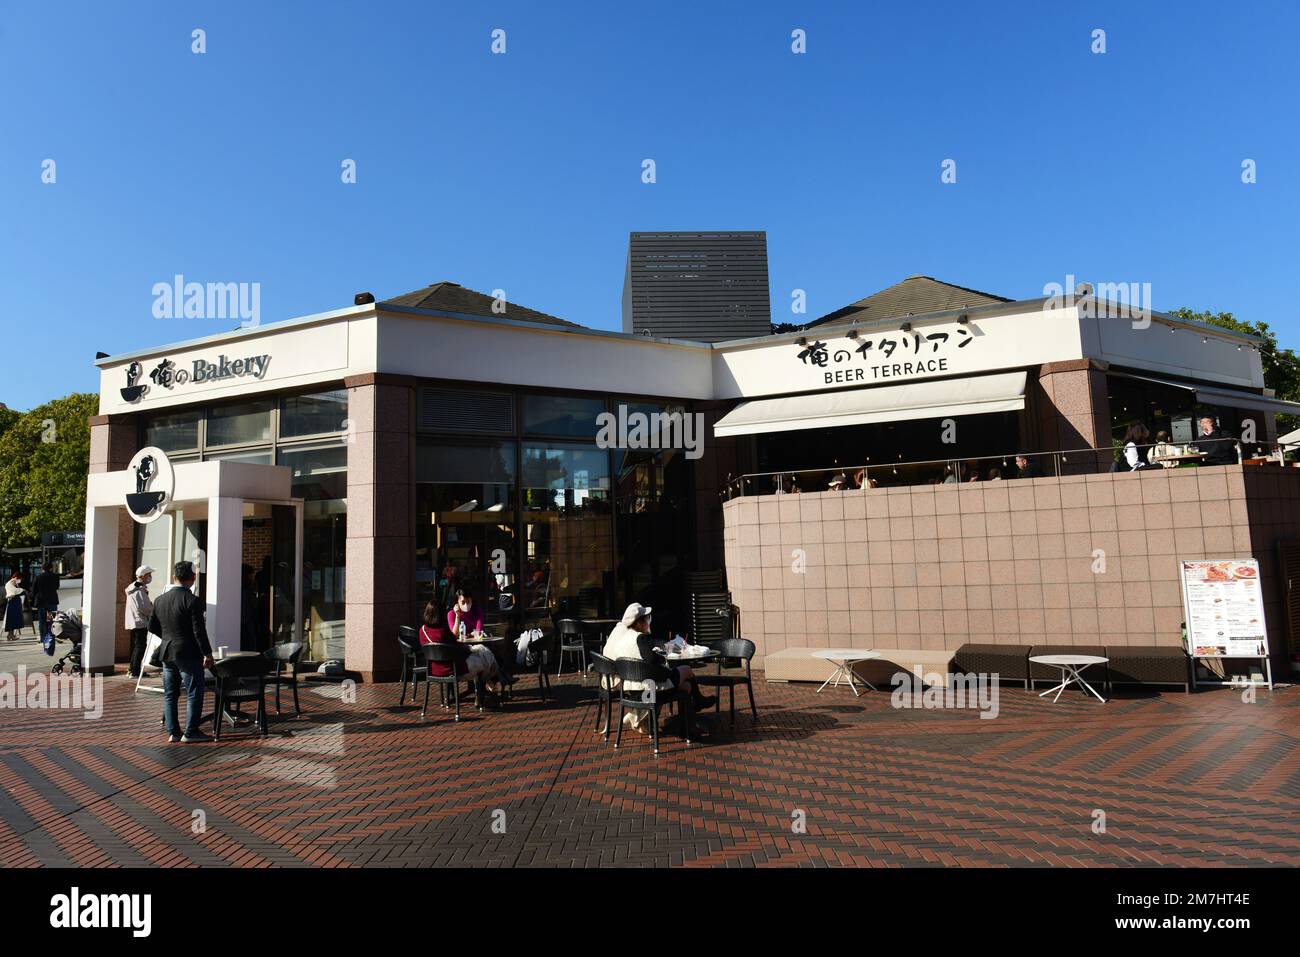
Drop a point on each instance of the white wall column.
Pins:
(100, 588)
(224, 585)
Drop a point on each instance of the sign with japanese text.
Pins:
(890, 355)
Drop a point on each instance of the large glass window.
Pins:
(655, 525)
(320, 478)
(247, 423)
(568, 536)
(562, 415)
(464, 522)
(173, 431)
(314, 414)
(255, 456)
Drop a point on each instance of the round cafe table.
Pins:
(708, 654)
(844, 659)
(210, 677)
(1071, 666)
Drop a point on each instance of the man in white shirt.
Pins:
(139, 606)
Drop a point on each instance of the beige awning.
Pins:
(927, 399)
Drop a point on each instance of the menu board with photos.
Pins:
(1225, 609)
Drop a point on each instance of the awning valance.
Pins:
(928, 399)
(1218, 395)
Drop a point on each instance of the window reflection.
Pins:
(568, 539)
(465, 531)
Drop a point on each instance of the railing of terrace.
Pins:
(1012, 465)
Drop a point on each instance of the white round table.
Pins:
(1071, 666)
(844, 659)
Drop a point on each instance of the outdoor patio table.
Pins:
(706, 655)
(844, 660)
(211, 679)
(1071, 666)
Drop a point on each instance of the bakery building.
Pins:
(333, 472)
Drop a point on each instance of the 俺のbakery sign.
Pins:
(167, 375)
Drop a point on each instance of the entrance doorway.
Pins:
(268, 586)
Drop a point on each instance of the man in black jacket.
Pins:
(1218, 448)
(178, 618)
(45, 598)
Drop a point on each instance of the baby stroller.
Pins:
(66, 627)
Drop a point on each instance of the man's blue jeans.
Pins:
(191, 674)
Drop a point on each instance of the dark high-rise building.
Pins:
(706, 286)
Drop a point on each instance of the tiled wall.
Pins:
(933, 566)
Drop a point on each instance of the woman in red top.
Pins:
(463, 610)
(479, 665)
(434, 632)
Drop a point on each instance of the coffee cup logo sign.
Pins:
(166, 374)
(133, 390)
(152, 485)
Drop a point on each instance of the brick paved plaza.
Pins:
(1185, 780)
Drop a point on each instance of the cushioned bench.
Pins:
(799, 664)
(1008, 662)
(1052, 673)
(1149, 665)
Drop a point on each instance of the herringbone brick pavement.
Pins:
(822, 780)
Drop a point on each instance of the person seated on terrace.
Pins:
(479, 666)
(995, 474)
(949, 475)
(973, 470)
(631, 639)
(839, 481)
(1026, 468)
(1136, 448)
(860, 476)
(1162, 450)
(1217, 445)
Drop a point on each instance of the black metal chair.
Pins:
(607, 681)
(452, 654)
(413, 663)
(571, 642)
(284, 657)
(650, 699)
(546, 649)
(738, 649)
(240, 678)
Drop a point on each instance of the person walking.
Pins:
(45, 598)
(14, 592)
(178, 618)
(139, 608)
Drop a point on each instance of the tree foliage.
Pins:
(44, 458)
(1281, 366)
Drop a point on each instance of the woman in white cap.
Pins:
(139, 606)
(631, 639)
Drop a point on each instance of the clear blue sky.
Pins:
(522, 171)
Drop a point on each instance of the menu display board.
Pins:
(1225, 609)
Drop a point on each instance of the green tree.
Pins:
(44, 458)
(1281, 366)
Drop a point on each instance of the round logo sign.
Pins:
(152, 485)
